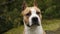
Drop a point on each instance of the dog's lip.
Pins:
(28, 25)
(33, 25)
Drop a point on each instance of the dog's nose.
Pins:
(35, 20)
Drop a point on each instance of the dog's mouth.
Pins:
(33, 25)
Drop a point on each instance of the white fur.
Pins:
(37, 30)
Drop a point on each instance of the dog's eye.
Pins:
(28, 14)
(38, 13)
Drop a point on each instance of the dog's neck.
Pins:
(33, 30)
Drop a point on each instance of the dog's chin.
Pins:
(33, 25)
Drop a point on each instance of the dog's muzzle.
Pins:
(35, 21)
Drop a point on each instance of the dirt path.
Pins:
(54, 32)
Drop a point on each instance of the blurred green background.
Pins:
(11, 19)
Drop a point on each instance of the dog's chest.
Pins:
(34, 31)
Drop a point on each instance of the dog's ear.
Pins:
(24, 5)
(35, 3)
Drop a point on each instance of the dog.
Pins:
(32, 19)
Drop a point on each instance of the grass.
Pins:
(17, 30)
(50, 25)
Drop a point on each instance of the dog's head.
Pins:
(31, 15)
